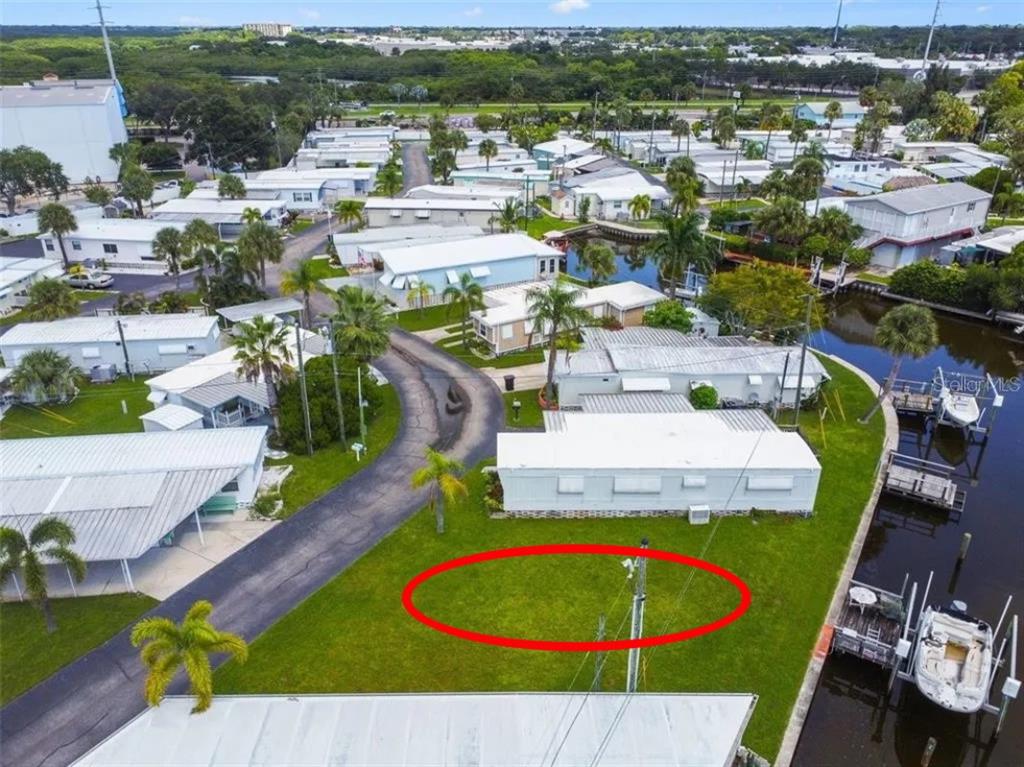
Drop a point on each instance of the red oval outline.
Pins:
(574, 548)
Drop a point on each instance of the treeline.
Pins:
(978, 287)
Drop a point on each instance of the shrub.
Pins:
(265, 506)
(816, 246)
(610, 323)
(669, 314)
(858, 258)
(704, 397)
(930, 282)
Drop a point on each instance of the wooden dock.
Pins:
(913, 403)
(923, 481)
(870, 632)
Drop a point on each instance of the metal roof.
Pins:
(429, 203)
(172, 417)
(925, 198)
(270, 307)
(427, 730)
(136, 327)
(636, 402)
(66, 93)
(225, 388)
(640, 335)
(118, 229)
(479, 250)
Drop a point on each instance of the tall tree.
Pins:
(465, 296)
(170, 246)
(418, 295)
(361, 323)
(508, 214)
(50, 299)
(771, 121)
(640, 206)
(168, 646)
(389, 180)
(49, 540)
(45, 375)
(302, 280)
(488, 149)
(349, 212)
(25, 171)
(833, 112)
(137, 186)
(443, 475)
(554, 311)
(59, 221)
(906, 331)
(599, 259)
(231, 187)
(679, 245)
(681, 130)
(784, 220)
(262, 353)
(258, 244)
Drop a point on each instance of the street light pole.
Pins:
(803, 357)
(337, 385)
(359, 393)
(302, 389)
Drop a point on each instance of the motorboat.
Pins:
(962, 409)
(953, 663)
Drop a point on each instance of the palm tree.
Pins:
(908, 330)
(50, 299)
(784, 220)
(169, 646)
(261, 351)
(725, 130)
(465, 296)
(45, 375)
(251, 216)
(554, 311)
(170, 246)
(797, 134)
(419, 294)
(775, 184)
(508, 213)
(389, 180)
(231, 187)
(833, 112)
(200, 238)
(640, 206)
(302, 279)
(679, 245)
(349, 212)
(599, 259)
(488, 148)
(604, 145)
(55, 218)
(49, 540)
(686, 195)
(681, 129)
(771, 120)
(443, 475)
(744, 187)
(361, 323)
(258, 244)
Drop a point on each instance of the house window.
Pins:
(90, 352)
(507, 331)
(573, 485)
(971, 206)
(695, 480)
(631, 484)
(302, 196)
(543, 265)
(163, 349)
(551, 266)
(230, 487)
(775, 482)
(109, 247)
(76, 244)
(617, 205)
(49, 244)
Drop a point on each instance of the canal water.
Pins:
(853, 720)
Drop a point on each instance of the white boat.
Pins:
(961, 409)
(953, 664)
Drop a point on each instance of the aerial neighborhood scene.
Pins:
(535, 383)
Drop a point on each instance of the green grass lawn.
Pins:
(453, 346)
(313, 475)
(530, 413)
(791, 566)
(752, 203)
(29, 655)
(538, 227)
(96, 410)
(881, 279)
(299, 225)
(323, 269)
(438, 316)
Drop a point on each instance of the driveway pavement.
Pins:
(415, 166)
(60, 719)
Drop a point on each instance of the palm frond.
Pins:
(154, 628)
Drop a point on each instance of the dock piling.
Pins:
(929, 749)
(965, 544)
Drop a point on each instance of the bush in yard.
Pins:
(669, 314)
(610, 323)
(323, 408)
(858, 258)
(928, 281)
(704, 397)
(816, 246)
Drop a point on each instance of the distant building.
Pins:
(360, 247)
(609, 191)
(17, 276)
(268, 28)
(401, 211)
(560, 148)
(74, 122)
(114, 243)
(814, 111)
(226, 216)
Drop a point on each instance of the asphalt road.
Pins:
(27, 248)
(60, 719)
(415, 165)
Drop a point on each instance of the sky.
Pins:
(516, 13)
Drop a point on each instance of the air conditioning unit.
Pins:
(700, 515)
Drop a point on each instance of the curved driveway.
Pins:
(61, 718)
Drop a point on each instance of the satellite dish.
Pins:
(920, 75)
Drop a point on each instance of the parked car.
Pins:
(90, 280)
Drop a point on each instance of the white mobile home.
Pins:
(560, 148)
(626, 464)
(350, 245)
(609, 191)
(491, 192)
(73, 122)
(330, 156)
(401, 211)
(535, 182)
(657, 360)
(314, 189)
(227, 216)
(506, 323)
(143, 343)
(911, 224)
(119, 244)
(17, 276)
(498, 259)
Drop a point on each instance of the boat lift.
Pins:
(885, 633)
(925, 398)
(923, 481)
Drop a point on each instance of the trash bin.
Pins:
(510, 383)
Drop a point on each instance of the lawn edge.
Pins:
(798, 715)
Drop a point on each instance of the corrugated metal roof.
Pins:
(636, 402)
(136, 327)
(172, 417)
(225, 388)
(745, 419)
(640, 335)
(426, 730)
(479, 250)
(925, 198)
(56, 94)
(268, 308)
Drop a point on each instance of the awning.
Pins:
(156, 397)
(646, 384)
(399, 282)
(809, 383)
(480, 271)
(754, 380)
(453, 277)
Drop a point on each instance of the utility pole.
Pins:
(593, 119)
(803, 357)
(106, 42)
(277, 137)
(637, 625)
(124, 350)
(600, 655)
(931, 33)
(302, 389)
(359, 393)
(835, 33)
(337, 386)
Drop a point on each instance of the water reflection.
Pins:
(853, 720)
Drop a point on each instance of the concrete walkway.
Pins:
(57, 721)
